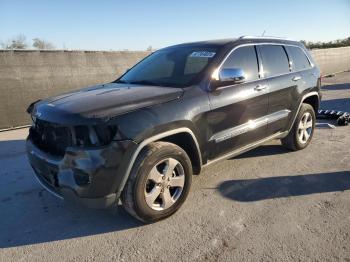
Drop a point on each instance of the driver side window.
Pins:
(244, 58)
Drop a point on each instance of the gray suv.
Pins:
(141, 137)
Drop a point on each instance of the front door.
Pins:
(238, 112)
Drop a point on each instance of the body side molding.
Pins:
(249, 126)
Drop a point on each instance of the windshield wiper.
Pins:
(121, 81)
(141, 82)
(144, 82)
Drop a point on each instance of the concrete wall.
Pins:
(26, 76)
(332, 60)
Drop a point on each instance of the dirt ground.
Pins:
(266, 205)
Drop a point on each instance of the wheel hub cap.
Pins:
(164, 184)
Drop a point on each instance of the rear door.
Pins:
(235, 108)
(282, 86)
(302, 70)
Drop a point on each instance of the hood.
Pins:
(102, 102)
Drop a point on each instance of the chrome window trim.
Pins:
(153, 139)
(261, 74)
(260, 70)
(249, 126)
(308, 58)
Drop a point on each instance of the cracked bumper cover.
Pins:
(91, 176)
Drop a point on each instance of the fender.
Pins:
(150, 140)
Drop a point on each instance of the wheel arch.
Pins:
(312, 97)
(312, 100)
(176, 136)
(188, 144)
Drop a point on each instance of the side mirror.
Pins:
(233, 75)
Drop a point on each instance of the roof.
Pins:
(236, 41)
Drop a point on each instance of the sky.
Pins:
(136, 25)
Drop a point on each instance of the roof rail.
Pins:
(263, 37)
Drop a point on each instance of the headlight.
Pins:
(105, 133)
(97, 135)
(82, 136)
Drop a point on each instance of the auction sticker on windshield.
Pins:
(202, 54)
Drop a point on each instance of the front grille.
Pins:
(51, 138)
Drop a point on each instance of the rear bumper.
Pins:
(89, 176)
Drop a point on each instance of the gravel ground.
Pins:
(268, 204)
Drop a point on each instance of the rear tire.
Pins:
(302, 131)
(159, 182)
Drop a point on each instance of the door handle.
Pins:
(259, 87)
(296, 78)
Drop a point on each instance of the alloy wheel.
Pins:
(305, 128)
(164, 184)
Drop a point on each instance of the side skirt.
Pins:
(247, 148)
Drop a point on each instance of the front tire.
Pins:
(159, 182)
(302, 131)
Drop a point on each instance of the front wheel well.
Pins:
(187, 143)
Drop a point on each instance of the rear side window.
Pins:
(274, 59)
(244, 58)
(298, 58)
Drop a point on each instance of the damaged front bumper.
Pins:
(87, 175)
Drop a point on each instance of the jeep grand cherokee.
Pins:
(140, 138)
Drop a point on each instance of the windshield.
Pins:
(170, 67)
